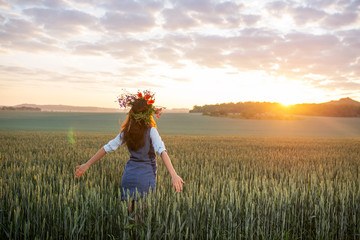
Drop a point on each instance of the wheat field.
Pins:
(236, 187)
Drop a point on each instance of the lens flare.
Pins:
(71, 137)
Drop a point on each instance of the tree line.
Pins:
(20, 109)
(345, 107)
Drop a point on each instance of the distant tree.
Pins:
(345, 107)
(20, 109)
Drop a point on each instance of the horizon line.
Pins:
(176, 108)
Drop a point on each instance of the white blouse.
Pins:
(157, 143)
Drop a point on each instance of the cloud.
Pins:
(130, 16)
(205, 57)
(86, 2)
(327, 14)
(129, 48)
(304, 15)
(198, 6)
(250, 19)
(255, 38)
(127, 22)
(324, 3)
(317, 54)
(352, 5)
(351, 38)
(4, 4)
(165, 54)
(197, 14)
(19, 29)
(228, 7)
(137, 36)
(131, 6)
(20, 76)
(127, 51)
(52, 3)
(340, 19)
(32, 46)
(61, 22)
(23, 35)
(310, 44)
(276, 8)
(295, 54)
(240, 51)
(336, 84)
(14, 70)
(177, 19)
(85, 48)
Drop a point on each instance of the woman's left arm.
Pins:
(176, 180)
(159, 147)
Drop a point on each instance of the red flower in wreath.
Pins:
(150, 102)
(147, 97)
(139, 95)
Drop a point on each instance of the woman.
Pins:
(140, 135)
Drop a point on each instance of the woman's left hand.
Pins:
(177, 182)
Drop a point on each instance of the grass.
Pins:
(181, 124)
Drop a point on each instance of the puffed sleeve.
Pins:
(157, 143)
(112, 145)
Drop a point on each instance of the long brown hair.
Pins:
(134, 131)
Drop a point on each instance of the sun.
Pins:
(286, 105)
(287, 102)
(285, 94)
(289, 98)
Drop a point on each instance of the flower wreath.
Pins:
(127, 100)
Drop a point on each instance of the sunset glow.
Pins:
(190, 53)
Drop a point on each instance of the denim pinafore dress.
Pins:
(140, 171)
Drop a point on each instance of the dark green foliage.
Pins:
(345, 107)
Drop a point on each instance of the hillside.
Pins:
(345, 101)
(344, 107)
(68, 108)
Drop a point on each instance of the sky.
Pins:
(84, 52)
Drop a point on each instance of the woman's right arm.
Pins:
(111, 146)
(84, 167)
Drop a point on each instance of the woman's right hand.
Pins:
(177, 182)
(81, 169)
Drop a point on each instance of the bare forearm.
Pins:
(167, 163)
(100, 154)
(176, 180)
